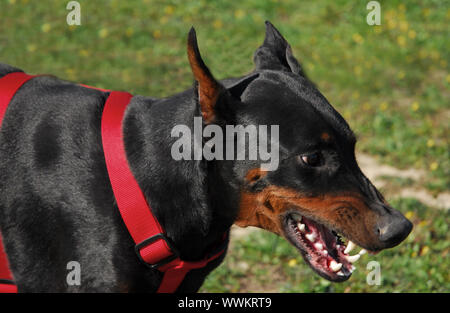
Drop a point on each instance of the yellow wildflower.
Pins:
(157, 34)
(217, 24)
(70, 72)
(31, 47)
(357, 38)
(425, 250)
(390, 14)
(45, 27)
(84, 53)
(239, 14)
(292, 262)
(434, 166)
(401, 41)
(103, 33)
(383, 106)
(169, 9)
(392, 24)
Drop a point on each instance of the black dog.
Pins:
(57, 205)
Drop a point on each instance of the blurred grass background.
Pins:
(391, 83)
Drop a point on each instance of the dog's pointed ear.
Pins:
(276, 53)
(208, 88)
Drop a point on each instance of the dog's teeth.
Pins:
(301, 227)
(311, 237)
(340, 273)
(352, 258)
(325, 252)
(349, 248)
(352, 268)
(335, 266)
(363, 251)
(318, 246)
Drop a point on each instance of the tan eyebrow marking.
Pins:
(325, 136)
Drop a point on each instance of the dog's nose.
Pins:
(393, 228)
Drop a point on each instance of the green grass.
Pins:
(391, 83)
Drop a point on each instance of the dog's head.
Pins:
(317, 192)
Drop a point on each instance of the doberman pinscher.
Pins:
(57, 205)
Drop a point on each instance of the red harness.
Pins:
(152, 246)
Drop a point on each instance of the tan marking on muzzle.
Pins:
(345, 212)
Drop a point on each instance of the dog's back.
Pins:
(55, 196)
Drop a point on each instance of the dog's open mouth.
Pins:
(322, 248)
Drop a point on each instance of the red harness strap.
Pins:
(9, 84)
(6, 279)
(152, 246)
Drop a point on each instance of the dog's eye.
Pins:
(311, 159)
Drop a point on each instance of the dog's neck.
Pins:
(191, 199)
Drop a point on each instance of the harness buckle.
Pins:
(150, 240)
